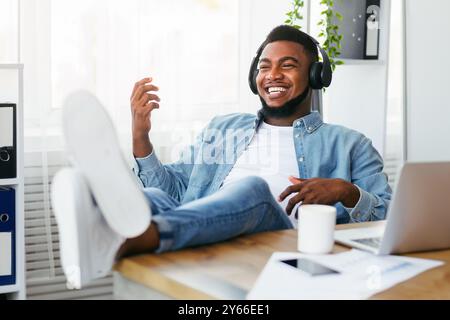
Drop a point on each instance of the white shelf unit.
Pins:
(362, 62)
(11, 79)
(358, 96)
(8, 182)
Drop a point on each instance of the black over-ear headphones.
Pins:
(320, 73)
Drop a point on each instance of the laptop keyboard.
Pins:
(371, 242)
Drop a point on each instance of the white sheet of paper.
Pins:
(362, 275)
(5, 253)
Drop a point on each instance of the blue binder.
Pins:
(7, 236)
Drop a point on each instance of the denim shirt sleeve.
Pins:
(172, 178)
(372, 182)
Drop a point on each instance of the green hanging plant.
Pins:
(329, 30)
(295, 14)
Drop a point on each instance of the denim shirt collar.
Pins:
(311, 122)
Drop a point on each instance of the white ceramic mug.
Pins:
(316, 224)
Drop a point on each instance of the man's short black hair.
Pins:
(289, 33)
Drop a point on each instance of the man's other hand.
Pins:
(320, 191)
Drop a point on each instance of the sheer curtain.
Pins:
(8, 31)
(190, 48)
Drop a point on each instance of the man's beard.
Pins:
(285, 111)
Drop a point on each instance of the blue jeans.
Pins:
(243, 207)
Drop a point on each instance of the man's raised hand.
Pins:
(143, 102)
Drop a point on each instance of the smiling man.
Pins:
(284, 93)
(245, 174)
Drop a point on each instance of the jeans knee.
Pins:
(159, 200)
(256, 183)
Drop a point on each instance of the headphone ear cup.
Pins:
(252, 75)
(255, 86)
(315, 75)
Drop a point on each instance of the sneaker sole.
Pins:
(67, 202)
(92, 143)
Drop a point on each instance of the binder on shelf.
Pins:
(7, 236)
(360, 28)
(8, 141)
(372, 38)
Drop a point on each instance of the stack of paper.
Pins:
(360, 276)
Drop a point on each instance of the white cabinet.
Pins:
(11, 91)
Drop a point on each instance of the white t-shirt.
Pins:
(271, 156)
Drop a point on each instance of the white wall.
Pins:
(357, 100)
(427, 80)
(8, 85)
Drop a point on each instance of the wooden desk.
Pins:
(228, 270)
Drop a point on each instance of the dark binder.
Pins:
(372, 36)
(359, 28)
(8, 141)
(7, 236)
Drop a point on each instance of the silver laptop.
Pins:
(418, 217)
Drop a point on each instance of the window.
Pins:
(190, 47)
(105, 46)
(9, 30)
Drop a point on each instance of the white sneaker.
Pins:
(93, 146)
(88, 246)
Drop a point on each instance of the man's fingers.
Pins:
(146, 99)
(292, 202)
(143, 90)
(146, 110)
(305, 196)
(151, 97)
(291, 189)
(152, 106)
(295, 180)
(154, 97)
(138, 84)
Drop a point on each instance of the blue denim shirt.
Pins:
(323, 150)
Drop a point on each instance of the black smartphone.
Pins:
(310, 267)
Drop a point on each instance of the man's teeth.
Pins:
(276, 89)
